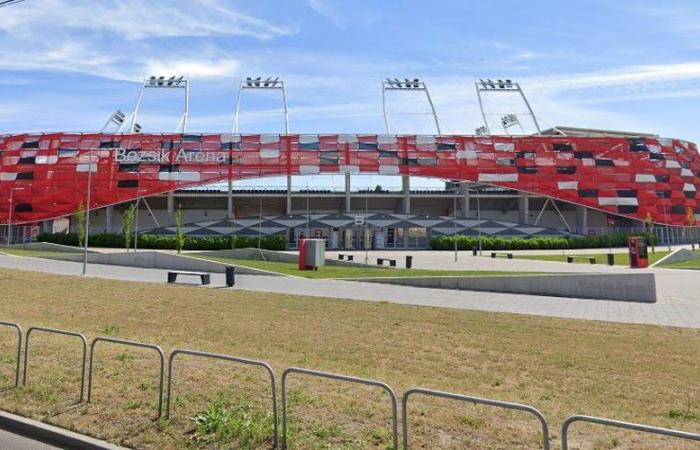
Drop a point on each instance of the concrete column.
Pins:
(406, 189)
(464, 200)
(109, 216)
(171, 205)
(582, 219)
(348, 198)
(524, 208)
(289, 194)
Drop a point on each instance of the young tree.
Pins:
(80, 224)
(234, 238)
(128, 225)
(179, 233)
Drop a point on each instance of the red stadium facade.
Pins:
(45, 176)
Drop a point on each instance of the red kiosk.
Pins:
(639, 257)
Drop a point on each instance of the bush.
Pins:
(536, 243)
(160, 242)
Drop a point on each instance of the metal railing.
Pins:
(19, 347)
(64, 333)
(466, 398)
(338, 377)
(315, 373)
(250, 362)
(624, 425)
(130, 344)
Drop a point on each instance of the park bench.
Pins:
(204, 276)
(571, 258)
(342, 256)
(392, 262)
(506, 254)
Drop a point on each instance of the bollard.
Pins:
(409, 261)
(230, 276)
(611, 259)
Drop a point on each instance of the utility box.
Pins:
(312, 254)
(639, 257)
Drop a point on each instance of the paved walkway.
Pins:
(678, 304)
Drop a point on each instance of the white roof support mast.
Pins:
(507, 119)
(154, 82)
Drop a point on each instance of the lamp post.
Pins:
(87, 213)
(454, 222)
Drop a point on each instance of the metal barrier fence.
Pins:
(19, 347)
(131, 344)
(64, 333)
(250, 362)
(315, 373)
(465, 398)
(334, 376)
(624, 425)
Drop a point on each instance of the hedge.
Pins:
(536, 243)
(154, 241)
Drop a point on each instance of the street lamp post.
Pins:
(87, 214)
(454, 222)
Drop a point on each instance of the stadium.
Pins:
(501, 181)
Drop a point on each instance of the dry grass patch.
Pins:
(639, 373)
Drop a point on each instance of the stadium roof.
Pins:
(592, 132)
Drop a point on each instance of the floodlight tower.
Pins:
(161, 83)
(268, 84)
(511, 119)
(407, 85)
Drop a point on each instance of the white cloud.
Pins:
(342, 14)
(138, 19)
(123, 40)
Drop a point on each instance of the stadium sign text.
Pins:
(163, 156)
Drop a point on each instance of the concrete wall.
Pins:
(633, 287)
(160, 260)
(269, 255)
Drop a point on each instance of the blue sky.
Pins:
(68, 64)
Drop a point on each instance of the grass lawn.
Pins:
(639, 373)
(693, 264)
(348, 271)
(33, 253)
(621, 259)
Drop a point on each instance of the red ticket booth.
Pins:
(639, 258)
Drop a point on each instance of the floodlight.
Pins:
(481, 131)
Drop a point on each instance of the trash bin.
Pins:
(230, 276)
(611, 259)
(409, 261)
(475, 250)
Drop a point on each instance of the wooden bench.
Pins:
(507, 255)
(204, 276)
(571, 258)
(392, 262)
(342, 256)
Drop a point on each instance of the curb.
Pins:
(50, 434)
